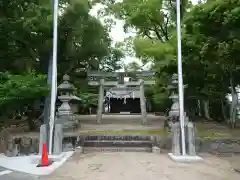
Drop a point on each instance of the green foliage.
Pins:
(210, 44)
(132, 67)
(113, 61)
(26, 47)
(84, 42)
(89, 99)
(19, 90)
(23, 24)
(26, 38)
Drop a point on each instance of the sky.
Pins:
(117, 33)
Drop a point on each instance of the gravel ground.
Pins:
(141, 166)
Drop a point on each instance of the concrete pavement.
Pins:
(134, 165)
(141, 166)
(6, 174)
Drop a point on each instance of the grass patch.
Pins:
(205, 131)
(127, 132)
(212, 130)
(212, 135)
(157, 132)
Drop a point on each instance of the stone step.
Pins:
(119, 141)
(120, 121)
(117, 138)
(106, 143)
(117, 149)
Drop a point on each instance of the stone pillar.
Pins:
(143, 103)
(176, 139)
(191, 147)
(58, 138)
(100, 101)
(42, 137)
(186, 119)
(10, 148)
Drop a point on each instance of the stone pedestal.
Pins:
(42, 137)
(58, 138)
(176, 139)
(68, 121)
(12, 149)
(190, 139)
(186, 119)
(191, 145)
(184, 159)
(79, 149)
(176, 154)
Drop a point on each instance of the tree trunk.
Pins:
(206, 109)
(31, 124)
(31, 118)
(223, 110)
(199, 108)
(233, 108)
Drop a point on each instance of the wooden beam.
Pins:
(115, 83)
(118, 74)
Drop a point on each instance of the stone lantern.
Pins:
(176, 128)
(174, 111)
(65, 114)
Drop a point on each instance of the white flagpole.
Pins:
(180, 78)
(54, 74)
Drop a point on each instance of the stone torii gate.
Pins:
(106, 80)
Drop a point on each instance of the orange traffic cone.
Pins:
(44, 160)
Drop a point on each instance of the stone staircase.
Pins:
(118, 143)
(134, 119)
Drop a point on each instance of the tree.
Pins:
(26, 46)
(85, 43)
(113, 61)
(210, 45)
(151, 18)
(214, 27)
(132, 66)
(27, 42)
(24, 25)
(19, 92)
(153, 24)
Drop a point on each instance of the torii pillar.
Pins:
(143, 103)
(100, 101)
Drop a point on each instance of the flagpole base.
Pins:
(45, 165)
(185, 158)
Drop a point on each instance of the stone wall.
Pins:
(218, 145)
(21, 146)
(222, 145)
(27, 145)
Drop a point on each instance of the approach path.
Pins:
(141, 166)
